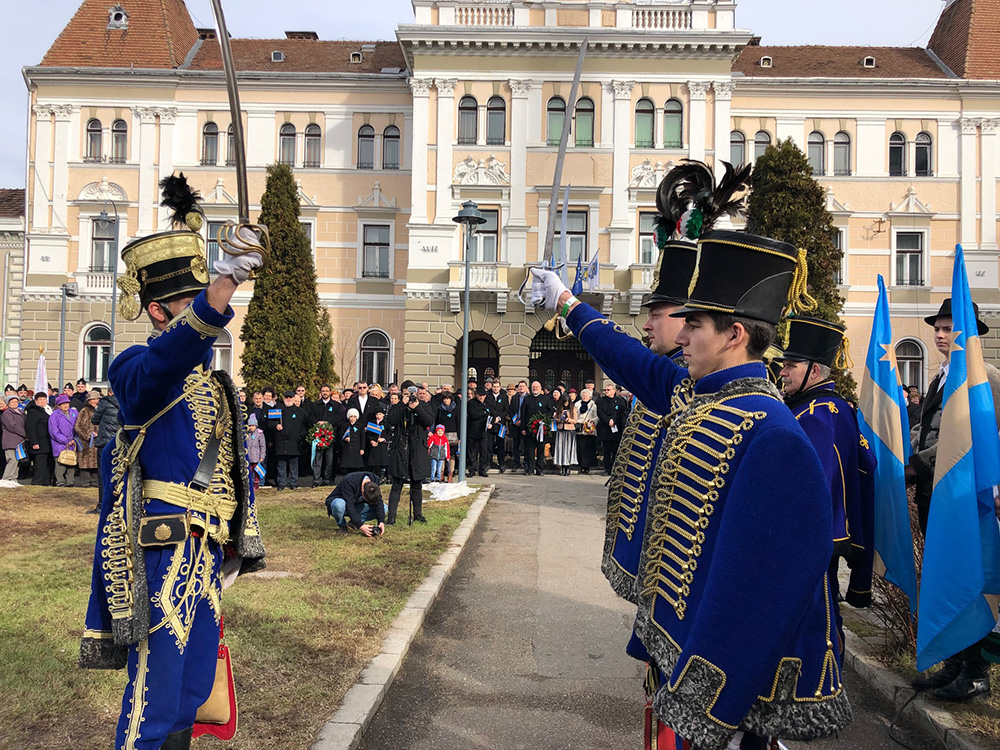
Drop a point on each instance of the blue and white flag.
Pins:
(962, 549)
(274, 413)
(375, 428)
(502, 432)
(20, 453)
(885, 425)
(347, 433)
(260, 471)
(592, 273)
(580, 276)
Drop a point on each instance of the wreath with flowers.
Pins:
(538, 422)
(321, 434)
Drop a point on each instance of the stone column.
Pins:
(620, 228)
(168, 116)
(988, 200)
(968, 182)
(60, 168)
(445, 138)
(723, 120)
(419, 139)
(149, 194)
(516, 252)
(697, 91)
(42, 167)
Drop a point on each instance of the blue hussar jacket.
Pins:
(167, 388)
(734, 604)
(832, 426)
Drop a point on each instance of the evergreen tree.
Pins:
(325, 372)
(789, 205)
(281, 334)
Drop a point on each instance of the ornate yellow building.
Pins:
(389, 138)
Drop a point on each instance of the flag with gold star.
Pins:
(884, 425)
(961, 567)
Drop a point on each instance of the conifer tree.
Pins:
(281, 334)
(789, 205)
(325, 372)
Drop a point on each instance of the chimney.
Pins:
(206, 34)
(311, 36)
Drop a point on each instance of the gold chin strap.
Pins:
(799, 299)
(843, 360)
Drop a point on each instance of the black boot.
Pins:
(973, 680)
(944, 676)
(177, 740)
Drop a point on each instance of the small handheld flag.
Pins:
(20, 453)
(274, 413)
(347, 433)
(375, 428)
(580, 275)
(502, 432)
(592, 273)
(260, 471)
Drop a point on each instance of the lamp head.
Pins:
(470, 216)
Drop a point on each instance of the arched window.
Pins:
(390, 148)
(924, 165)
(585, 122)
(760, 143)
(737, 148)
(286, 144)
(817, 152)
(897, 155)
(910, 361)
(556, 114)
(366, 147)
(842, 154)
(673, 124)
(222, 353)
(96, 354)
(468, 120)
(210, 144)
(93, 141)
(119, 142)
(231, 146)
(314, 146)
(496, 121)
(375, 357)
(644, 123)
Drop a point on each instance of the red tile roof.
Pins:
(302, 56)
(967, 38)
(11, 203)
(838, 62)
(160, 34)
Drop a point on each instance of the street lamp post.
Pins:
(68, 290)
(471, 218)
(103, 217)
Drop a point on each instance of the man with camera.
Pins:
(355, 501)
(409, 460)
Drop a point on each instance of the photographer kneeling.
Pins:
(357, 500)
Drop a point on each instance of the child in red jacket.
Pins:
(437, 444)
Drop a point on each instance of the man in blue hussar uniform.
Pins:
(178, 511)
(814, 347)
(734, 605)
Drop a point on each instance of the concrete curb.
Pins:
(930, 717)
(343, 730)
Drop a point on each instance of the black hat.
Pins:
(8, 388)
(288, 394)
(748, 276)
(167, 264)
(945, 312)
(81, 381)
(22, 387)
(813, 340)
(68, 385)
(672, 276)
(481, 390)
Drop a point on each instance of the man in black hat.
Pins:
(814, 347)
(79, 399)
(720, 568)
(967, 674)
(477, 460)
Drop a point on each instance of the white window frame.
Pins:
(376, 220)
(389, 360)
(476, 256)
(923, 381)
(226, 339)
(311, 222)
(646, 236)
(87, 216)
(212, 218)
(924, 255)
(843, 233)
(819, 169)
(85, 331)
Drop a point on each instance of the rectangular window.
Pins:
(103, 253)
(212, 251)
(376, 251)
(909, 258)
(647, 242)
(816, 153)
(576, 235)
(838, 242)
(585, 129)
(467, 126)
(307, 230)
(842, 159)
(485, 242)
(555, 121)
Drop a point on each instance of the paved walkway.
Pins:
(525, 647)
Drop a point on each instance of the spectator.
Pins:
(440, 452)
(913, 405)
(352, 451)
(535, 404)
(242, 396)
(365, 403)
(256, 449)
(79, 399)
(106, 419)
(86, 435)
(377, 445)
(612, 411)
(355, 501)
(517, 419)
(327, 409)
(61, 425)
(286, 442)
(477, 415)
(498, 404)
(36, 426)
(410, 459)
(564, 450)
(272, 414)
(585, 416)
(448, 414)
(13, 436)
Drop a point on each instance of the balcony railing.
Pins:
(661, 18)
(96, 281)
(485, 14)
(481, 275)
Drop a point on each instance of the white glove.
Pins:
(239, 266)
(546, 289)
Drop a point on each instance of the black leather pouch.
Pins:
(162, 531)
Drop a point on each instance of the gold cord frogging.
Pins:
(799, 299)
(843, 360)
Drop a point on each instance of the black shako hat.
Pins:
(813, 340)
(748, 276)
(672, 276)
(945, 312)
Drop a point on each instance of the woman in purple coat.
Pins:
(61, 425)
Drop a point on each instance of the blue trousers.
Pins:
(339, 507)
(171, 673)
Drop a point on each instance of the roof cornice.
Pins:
(921, 86)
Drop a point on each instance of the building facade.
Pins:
(388, 139)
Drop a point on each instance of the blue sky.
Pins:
(30, 33)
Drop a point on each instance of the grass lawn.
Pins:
(298, 641)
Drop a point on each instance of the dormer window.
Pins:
(356, 57)
(766, 62)
(117, 18)
(868, 62)
(277, 56)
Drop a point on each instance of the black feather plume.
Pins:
(179, 197)
(690, 189)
